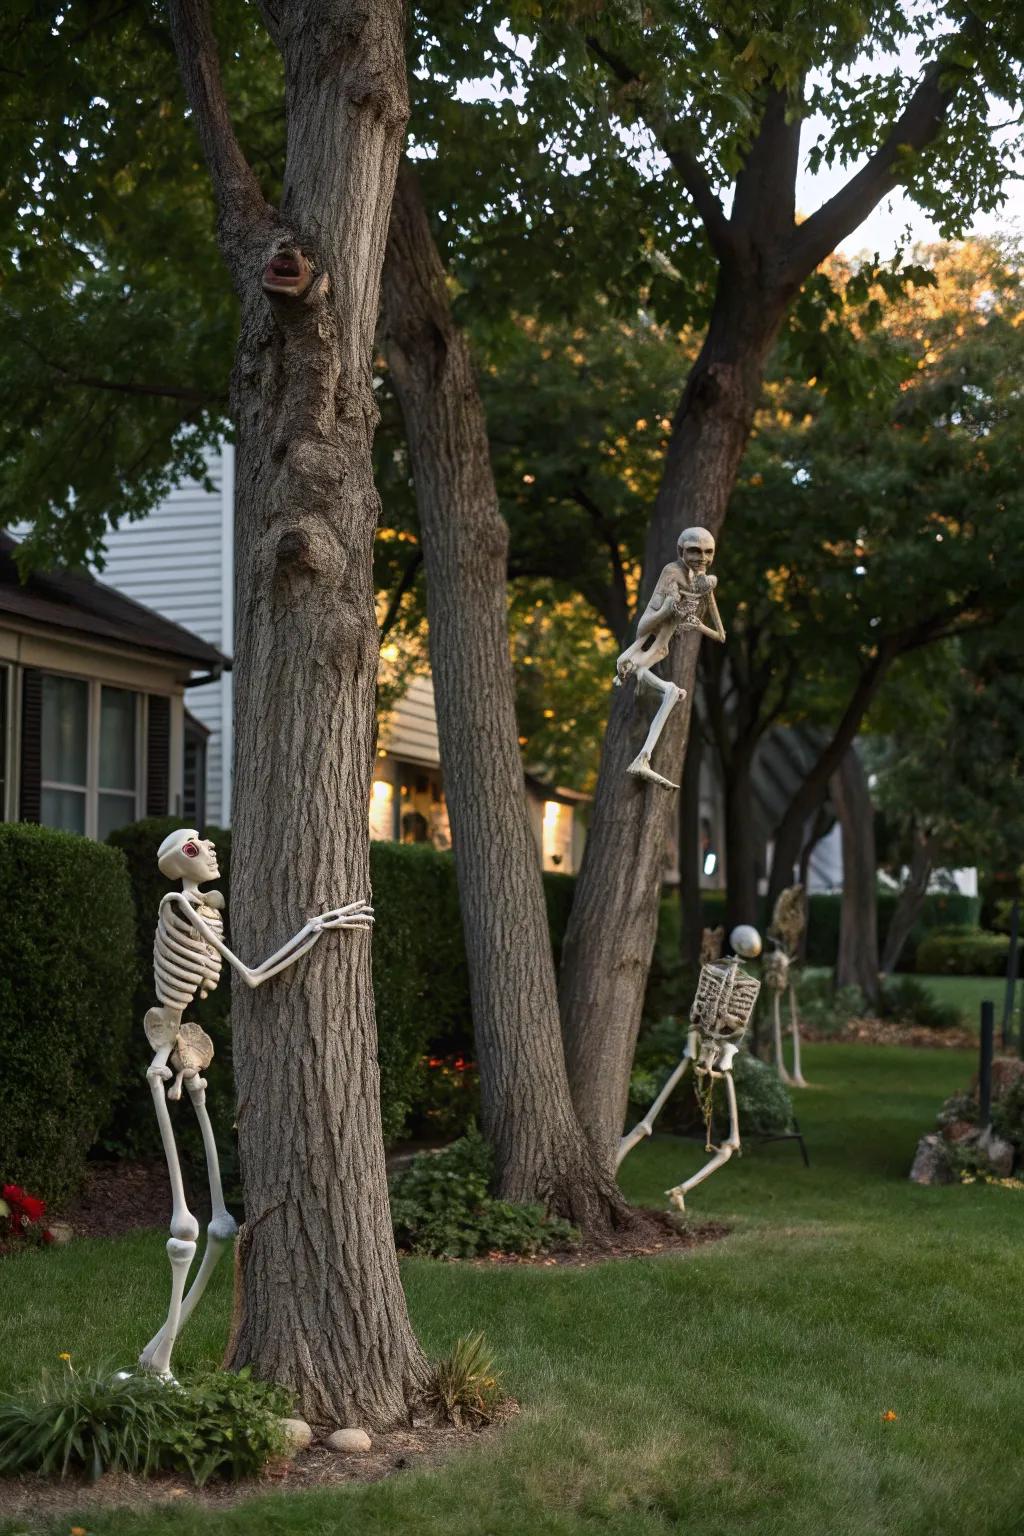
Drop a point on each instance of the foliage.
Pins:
(22, 1217)
(958, 953)
(823, 1007)
(448, 1101)
(442, 1206)
(93, 1422)
(762, 1100)
(464, 1386)
(911, 1002)
(66, 977)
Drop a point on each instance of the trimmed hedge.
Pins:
(67, 972)
(964, 952)
(941, 911)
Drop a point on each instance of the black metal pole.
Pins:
(1011, 974)
(988, 1029)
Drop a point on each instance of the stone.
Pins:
(298, 1435)
(355, 1442)
(61, 1232)
(999, 1154)
(930, 1164)
(960, 1130)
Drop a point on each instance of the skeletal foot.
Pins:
(641, 768)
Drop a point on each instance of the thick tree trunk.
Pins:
(612, 928)
(911, 900)
(857, 961)
(690, 853)
(540, 1149)
(740, 863)
(321, 1307)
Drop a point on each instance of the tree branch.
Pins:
(240, 200)
(618, 608)
(159, 391)
(914, 129)
(682, 160)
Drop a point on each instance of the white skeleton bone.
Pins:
(788, 922)
(188, 952)
(683, 596)
(722, 1009)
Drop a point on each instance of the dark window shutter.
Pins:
(158, 756)
(30, 807)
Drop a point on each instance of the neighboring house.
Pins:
(93, 725)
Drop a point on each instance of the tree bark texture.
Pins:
(540, 1149)
(857, 961)
(741, 904)
(910, 902)
(321, 1306)
(612, 927)
(690, 853)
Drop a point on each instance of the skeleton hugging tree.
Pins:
(188, 952)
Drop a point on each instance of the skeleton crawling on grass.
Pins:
(188, 952)
(723, 1006)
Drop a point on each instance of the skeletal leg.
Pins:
(677, 1196)
(223, 1227)
(181, 1246)
(640, 767)
(645, 1126)
(794, 1025)
(780, 1061)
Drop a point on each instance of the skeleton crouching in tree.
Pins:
(188, 952)
(683, 599)
(723, 1006)
(787, 929)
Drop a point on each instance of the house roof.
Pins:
(76, 602)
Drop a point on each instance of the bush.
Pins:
(821, 1006)
(67, 970)
(93, 1422)
(442, 1207)
(958, 952)
(911, 1002)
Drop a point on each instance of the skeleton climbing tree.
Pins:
(320, 1305)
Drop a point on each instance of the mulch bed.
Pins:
(39, 1499)
(658, 1232)
(887, 1032)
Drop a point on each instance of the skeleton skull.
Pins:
(185, 856)
(696, 549)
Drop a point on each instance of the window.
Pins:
(89, 756)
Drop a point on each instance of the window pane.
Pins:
(114, 811)
(117, 739)
(65, 730)
(63, 808)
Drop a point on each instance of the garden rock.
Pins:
(930, 1165)
(999, 1154)
(354, 1441)
(298, 1435)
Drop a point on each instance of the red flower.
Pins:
(26, 1209)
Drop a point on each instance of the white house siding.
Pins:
(409, 730)
(178, 561)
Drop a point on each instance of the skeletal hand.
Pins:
(358, 914)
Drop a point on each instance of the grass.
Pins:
(969, 992)
(736, 1390)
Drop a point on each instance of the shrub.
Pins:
(93, 1422)
(824, 1007)
(442, 1206)
(464, 1386)
(911, 1002)
(963, 952)
(67, 971)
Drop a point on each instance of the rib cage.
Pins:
(183, 962)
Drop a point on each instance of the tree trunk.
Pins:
(540, 1150)
(612, 927)
(740, 863)
(857, 962)
(910, 901)
(690, 854)
(320, 1302)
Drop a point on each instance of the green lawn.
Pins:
(736, 1390)
(969, 992)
